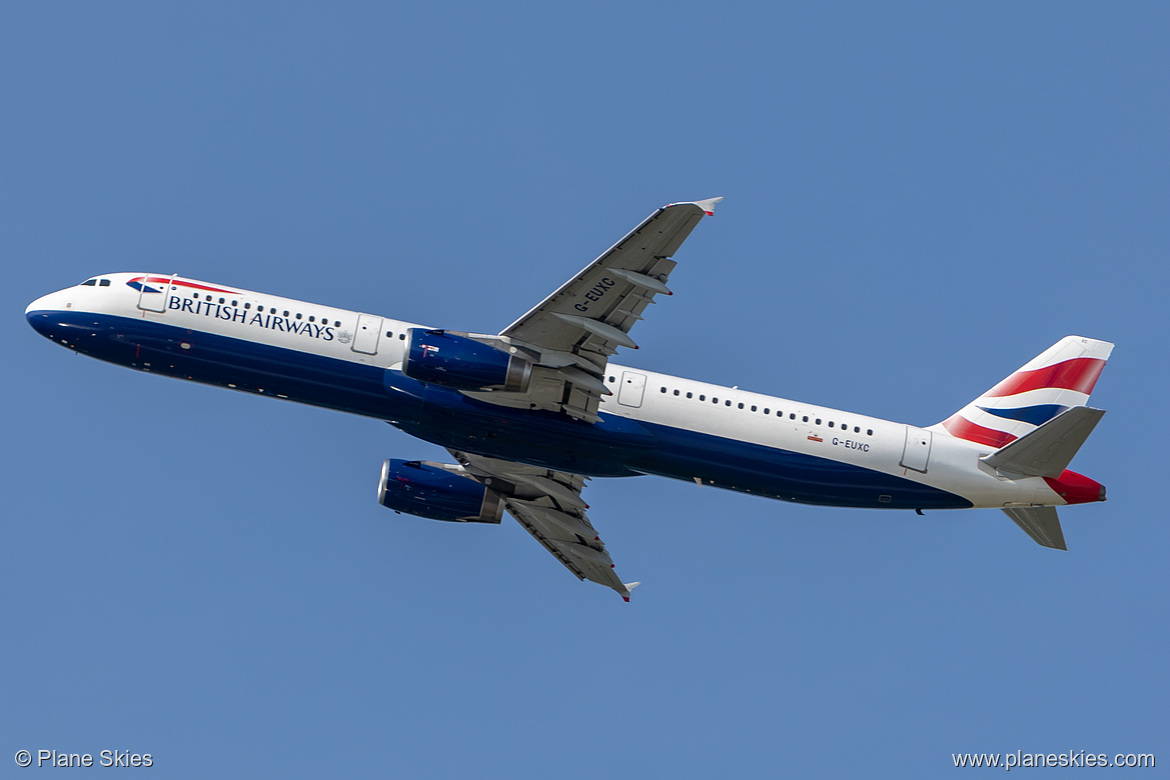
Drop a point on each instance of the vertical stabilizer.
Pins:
(1050, 384)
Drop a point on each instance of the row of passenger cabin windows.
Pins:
(98, 282)
(273, 310)
(767, 410)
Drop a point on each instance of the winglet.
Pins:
(708, 205)
(629, 586)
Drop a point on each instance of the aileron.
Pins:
(590, 316)
(549, 506)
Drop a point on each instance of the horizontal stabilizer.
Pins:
(1039, 522)
(1046, 451)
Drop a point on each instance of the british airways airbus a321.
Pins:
(530, 414)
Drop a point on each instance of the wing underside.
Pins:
(571, 334)
(548, 505)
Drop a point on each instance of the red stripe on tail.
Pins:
(962, 428)
(1079, 374)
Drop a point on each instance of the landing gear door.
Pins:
(632, 388)
(153, 292)
(916, 455)
(369, 328)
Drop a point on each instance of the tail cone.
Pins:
(1076, 488)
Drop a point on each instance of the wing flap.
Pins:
(642, 264)
(589, 317)
(585, 561)
(549, 506)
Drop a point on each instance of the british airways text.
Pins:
(235, 314)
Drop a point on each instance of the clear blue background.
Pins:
(920, 198)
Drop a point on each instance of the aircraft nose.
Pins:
(40, 304)
(39, 315)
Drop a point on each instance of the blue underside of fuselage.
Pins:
(614, 447)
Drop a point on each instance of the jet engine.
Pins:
(438, 491)
(443, 358)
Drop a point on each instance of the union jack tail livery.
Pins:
(1050, 384)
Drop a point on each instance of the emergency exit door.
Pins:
(369, 328)
(632, 388)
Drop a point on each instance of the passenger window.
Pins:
(235, 303)
(702, 397)
(298, 315)
(688, 394)
(285, 313)
(221, 301)
(727, 403)
(402, 337)
(753, 408)
(740, 405)
(830, 423)
(611, 379)
(768, 411)
(869, 432)
(856, 429)
(247, 305)
(104, 283)
(676, 392)
(793, 417)
(662, 389)
(818, 421)
(806, 418)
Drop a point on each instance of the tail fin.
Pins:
(1053, 382)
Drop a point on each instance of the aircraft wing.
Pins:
(548, 504)
(571, 333)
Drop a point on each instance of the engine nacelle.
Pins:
(443, 358)
(437, 491)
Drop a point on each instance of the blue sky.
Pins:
(920, 198)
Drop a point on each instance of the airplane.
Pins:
(532, 413)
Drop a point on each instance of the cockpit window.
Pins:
(89, 283)
(104, 283)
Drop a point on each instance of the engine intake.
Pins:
(443, 358)
(437, 491)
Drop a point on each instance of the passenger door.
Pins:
(916, 454)
(152, 295)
